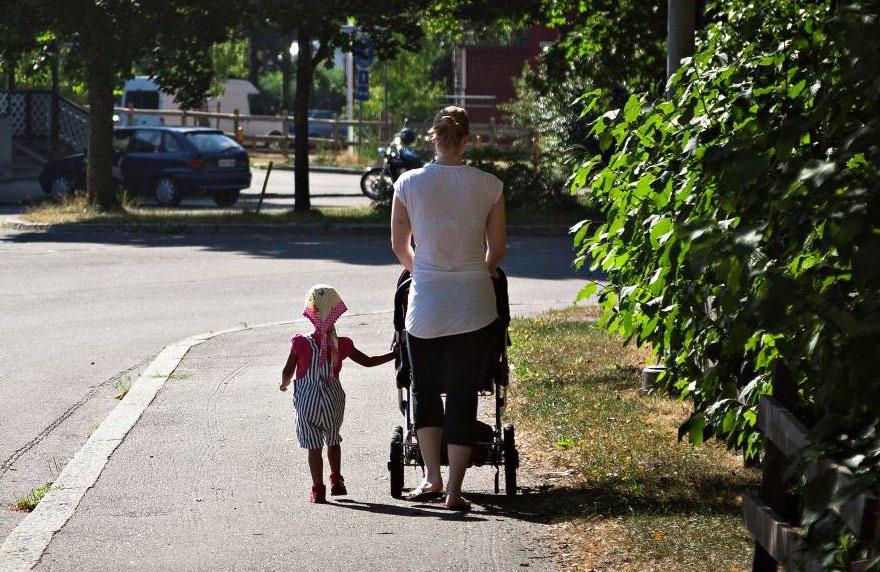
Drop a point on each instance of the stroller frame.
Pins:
(496, 446)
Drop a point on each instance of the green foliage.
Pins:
(412, 89)
(742, 239)
(526, 185)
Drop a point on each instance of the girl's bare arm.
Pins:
(288, 371)
(361, 358)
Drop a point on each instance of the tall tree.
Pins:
(173, 36)
(317, 26)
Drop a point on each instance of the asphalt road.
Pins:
(78, 314)
(327, 190)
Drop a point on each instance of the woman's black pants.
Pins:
(455, 365)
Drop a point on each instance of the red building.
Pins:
(486, 76)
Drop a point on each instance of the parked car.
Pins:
(167, 163)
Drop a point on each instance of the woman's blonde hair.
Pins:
(451, 125)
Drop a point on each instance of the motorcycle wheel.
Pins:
(376, 184)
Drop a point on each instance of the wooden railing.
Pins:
(274, 130)
(771, 516)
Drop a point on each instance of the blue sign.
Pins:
(363, 52)
(363, 85)
(362, 93)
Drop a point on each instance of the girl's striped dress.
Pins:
(319, 401)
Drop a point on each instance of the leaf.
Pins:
(587, 291)
(632, 108)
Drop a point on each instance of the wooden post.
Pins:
(773, 493)
(217, 126)
(28, 125)
(237, 131)
(263, 192)
(335, 133)
(183, 118)
(54, 132)
(284, 133)
(130, 114)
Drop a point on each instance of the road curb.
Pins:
(318, 169)
(366, 229)
(25, 545)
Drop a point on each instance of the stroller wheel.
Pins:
(511, 460)
(395, 463)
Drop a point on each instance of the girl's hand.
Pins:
(284, 385)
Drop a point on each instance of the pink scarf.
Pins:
(323, 307)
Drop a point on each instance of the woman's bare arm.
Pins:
(361, 358)
(496, 236)
(401, 234)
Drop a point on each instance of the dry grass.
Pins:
(630, 496)
(321, 156)
(77, 210)
(29, 502)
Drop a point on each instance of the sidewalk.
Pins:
(211, 478)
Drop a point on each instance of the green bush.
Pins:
(742, 233)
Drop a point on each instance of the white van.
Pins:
(143, 93)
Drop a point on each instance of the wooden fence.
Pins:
(772, 516)
(274, 130)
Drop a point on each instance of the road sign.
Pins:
(364, 54)
(363, 85)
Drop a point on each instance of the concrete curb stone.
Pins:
(365, 229)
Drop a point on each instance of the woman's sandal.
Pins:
(460, 505)
(423, 492)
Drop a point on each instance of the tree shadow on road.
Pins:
(527, 257)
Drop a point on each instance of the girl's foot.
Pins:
(318, 494)
(425, 491)
(457, 503)
(337, 485)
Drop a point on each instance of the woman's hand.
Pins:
(284, 385)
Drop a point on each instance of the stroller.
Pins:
(496, 446)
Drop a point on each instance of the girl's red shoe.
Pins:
(337, 485)
(318, 494)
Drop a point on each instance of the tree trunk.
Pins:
(305, 71)
(100, 186)
(11, 61)
(253, 58)
(680, 34)
(286, 74)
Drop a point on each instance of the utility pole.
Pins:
(680, 35)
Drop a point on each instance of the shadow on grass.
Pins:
(606, 499)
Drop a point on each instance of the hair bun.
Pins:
(451, 125)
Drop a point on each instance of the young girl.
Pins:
(317, 394)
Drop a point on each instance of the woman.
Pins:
(455, 214)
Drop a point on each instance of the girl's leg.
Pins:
(334, 455)
(316, 466)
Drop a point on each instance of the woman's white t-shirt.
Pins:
(451, 291)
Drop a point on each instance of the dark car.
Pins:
(319, 129)
(167, 163)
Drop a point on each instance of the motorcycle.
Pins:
(397, 158)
